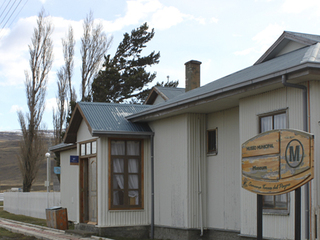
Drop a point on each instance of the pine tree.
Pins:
(124, 75)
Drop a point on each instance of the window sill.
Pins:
(212, 154)
(276, 212)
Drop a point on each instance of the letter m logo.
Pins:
(294, 155)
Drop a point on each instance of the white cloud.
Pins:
(50, 104)
(214, 20)
(15, 108)
(298, 6)
(244, 52)
(267, 36)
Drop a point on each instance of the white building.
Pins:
(194, 141)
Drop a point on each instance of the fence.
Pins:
(1, 197)
(31, 204)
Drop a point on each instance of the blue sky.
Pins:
(225, 36)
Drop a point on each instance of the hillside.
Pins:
(10, 175)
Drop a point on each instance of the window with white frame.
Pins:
(269, 122)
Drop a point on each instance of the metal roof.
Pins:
(62, 146)
(107, 118)
(288, 62)
(171, 92)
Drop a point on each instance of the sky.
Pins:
(226, 36)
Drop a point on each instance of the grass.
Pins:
(5, 234)
(1, 204)
(36, 221)
(22, 218)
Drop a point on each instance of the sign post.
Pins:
(278, 162)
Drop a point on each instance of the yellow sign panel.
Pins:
(277, 161)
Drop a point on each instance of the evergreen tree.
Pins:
(124, 75)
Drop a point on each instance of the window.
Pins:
(267, 123)
(126, 174)
(88, 148)
(212, 141)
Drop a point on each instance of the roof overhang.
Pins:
(229, 97)
(118, 133)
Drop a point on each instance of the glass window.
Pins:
(126, 174)
(212, 141)
(267, 123)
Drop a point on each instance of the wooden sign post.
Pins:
(277, 162)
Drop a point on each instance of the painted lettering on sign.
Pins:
(277, 161)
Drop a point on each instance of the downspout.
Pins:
(152, 185)
(305, 128)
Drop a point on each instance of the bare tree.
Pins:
(68, 54)
(32, 147)
(94, 45)
(64, 83)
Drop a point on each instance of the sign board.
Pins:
(56, 170)
(277, 161)
(74, 160)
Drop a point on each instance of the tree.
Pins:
(124, 75)
(32, 147)
(64, 84)
(94, 45)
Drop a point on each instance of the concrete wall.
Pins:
(31, 204)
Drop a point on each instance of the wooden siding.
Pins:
(109, 218)
(314, 120)
(171, 177)
(69, 186)
(274, 226)
(223, 172)
(196, 155)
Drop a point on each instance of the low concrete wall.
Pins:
(31, 204)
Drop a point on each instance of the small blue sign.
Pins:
(56, 170)
(74, 160)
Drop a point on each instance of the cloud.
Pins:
(267, 36)
(15, 108)
(244, 52)
(153, 11)
(298, 6)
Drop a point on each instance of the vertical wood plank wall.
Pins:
(274, 226)
(223, 171)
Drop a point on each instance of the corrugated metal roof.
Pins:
(171, 92)
(309, 54)
(110, 117)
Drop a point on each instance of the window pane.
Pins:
(118, 182)
(133, 166)
(266, 124)
(280, 121)
(94, 147)
(133, 197)
(118, 198)
(118, 165)
(212, 145)
(268, 201)
(88, 149)
(281, 201)
(117, 148)
(133, 181)
(83, 150)
(133, 148)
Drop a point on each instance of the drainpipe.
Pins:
(152, 186)
(305, 128)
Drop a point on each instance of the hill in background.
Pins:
(10, 175)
